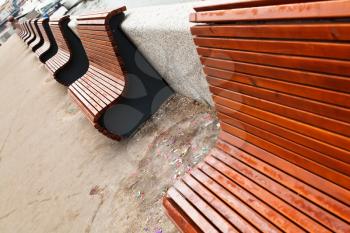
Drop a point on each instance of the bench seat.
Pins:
(96, 90)
(281, 91)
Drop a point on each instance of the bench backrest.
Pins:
(96, 36)
(32, 32)
(25, 23)
(41, 25)
(38, 36)
(57, 25)
(281, 81)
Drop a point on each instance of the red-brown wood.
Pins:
(63, 55)
(104, 82)
(281, 91)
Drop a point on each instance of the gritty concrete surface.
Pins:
(58, 174)
(162, 34)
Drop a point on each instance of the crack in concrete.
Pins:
(7, 215)
(38, 201)
(88, 228)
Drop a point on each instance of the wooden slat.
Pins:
(247, 3)
(311, 49)
(242, 209)
(332, 82)
(330, 111)
(314, 162)
(236, 138)
(88, 114)
(322, 95)
(314, 144)
(315, 31)
(194, 214)
(210, 213)
(322, 135)
(326, 9)
(180, 219)
(302, 204)
(243, 194)
(326, 66)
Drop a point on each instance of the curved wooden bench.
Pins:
(115, 102)
(49, 46)
(32, 35)
(281, 91)
(28, 34)
(70, 61)
(21, 30)
(35, 44)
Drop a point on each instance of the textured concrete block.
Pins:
(162, 33)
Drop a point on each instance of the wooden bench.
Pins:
(49, 46)
(70, 61)
(27, 34)
(280, 80)
(32, 35)
(115, 102)
(35, 44)
(21, 30)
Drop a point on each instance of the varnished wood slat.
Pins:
(246, 3)
(100, 87)
(318, 214)
(322, 95)
(79, 92)
(323, 109)
(231, 201)
(308, 49)
(314, 31)
(293, 113)
(332, 82)
(322, 135)
(84, 102)
(234, 136)
(180, 218)
(71, 92)
(313, 10)
(194, 214)
(210, 213)
(326, 66)
(295, 153)
(102, 15)
(99, 103)
(301, 139)
(233, 186)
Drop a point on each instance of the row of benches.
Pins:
(116, 92)
(279, 74)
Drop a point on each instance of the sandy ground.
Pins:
(58, 174)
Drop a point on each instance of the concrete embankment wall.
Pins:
(162, 34)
